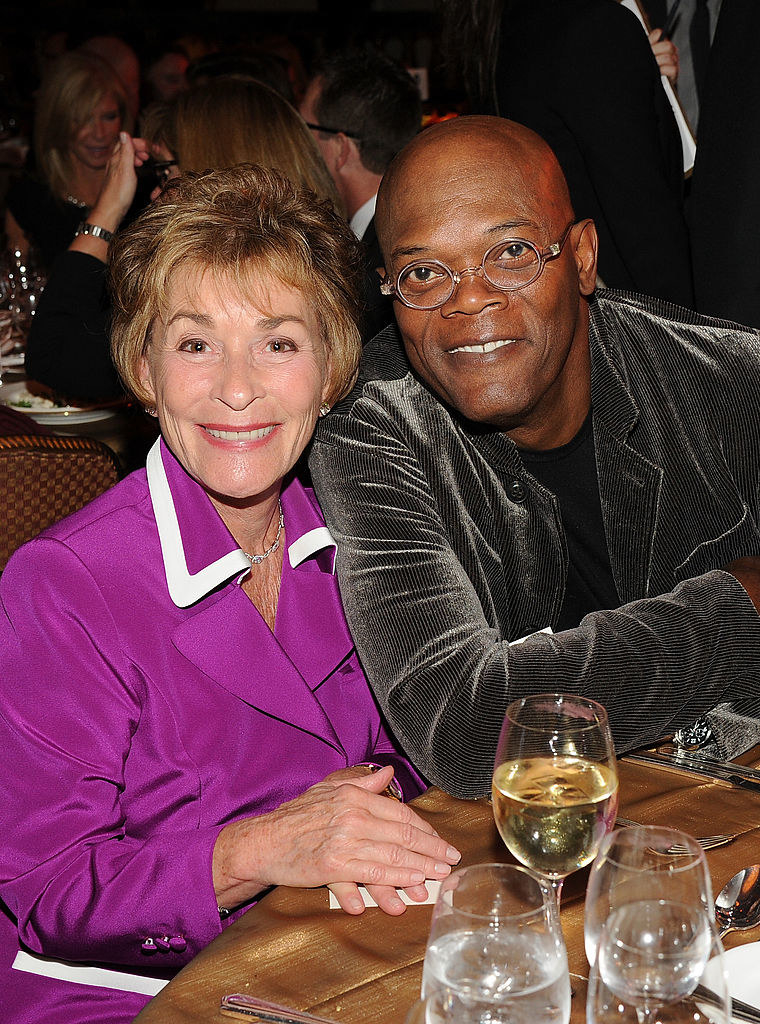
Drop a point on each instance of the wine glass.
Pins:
(650, 933)
(495, 951)
(555, 783)
(634, 865)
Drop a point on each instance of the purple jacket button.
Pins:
(178, 943)
(163, 943)
(149, 946)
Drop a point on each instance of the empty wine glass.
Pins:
(555, 783)
(658, 962)
(650, 934)
(495, 952)
(635, 865)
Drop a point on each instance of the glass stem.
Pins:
(556, 884)
(646, 1014)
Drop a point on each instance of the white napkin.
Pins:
(432, 888)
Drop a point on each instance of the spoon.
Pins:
(737, 905)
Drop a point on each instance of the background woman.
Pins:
(220, 124)
(79, 112)
(178, 679)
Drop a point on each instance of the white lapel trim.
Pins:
(184, 589)
(308, 544)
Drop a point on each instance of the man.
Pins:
(364, 108)
(547, 459)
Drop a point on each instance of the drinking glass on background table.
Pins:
(650, 932)
(495, 952)
(555, 783)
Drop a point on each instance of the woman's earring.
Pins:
(324, 409)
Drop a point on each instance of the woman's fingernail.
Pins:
(443, 869)
(123, 136)
(355, 906)
(453, 854)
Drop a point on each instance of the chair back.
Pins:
(43, 479)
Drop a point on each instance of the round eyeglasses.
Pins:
(511, 264)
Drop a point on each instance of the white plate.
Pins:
(742, 964)
(16, 396)
(12, 359)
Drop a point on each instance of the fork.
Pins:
(678, 849)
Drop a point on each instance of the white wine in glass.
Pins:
(555, 783)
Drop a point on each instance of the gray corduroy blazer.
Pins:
(448, 549)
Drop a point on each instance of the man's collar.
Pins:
(199, 552)
(362, 217)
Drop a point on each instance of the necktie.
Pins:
(699, 38)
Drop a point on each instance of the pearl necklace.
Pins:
(257, 559)
(76, 202)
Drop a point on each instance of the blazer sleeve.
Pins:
(68, 344)
(81, 882)
(444, 676)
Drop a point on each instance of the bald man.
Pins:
(580, 470)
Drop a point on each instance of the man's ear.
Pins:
(346, 148)
(585, 247)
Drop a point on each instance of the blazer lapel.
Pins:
(226, 638)
(310, 623)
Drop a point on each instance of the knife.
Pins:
(248, 1006)
(739, 1009)
(697, 758)
(726, 771)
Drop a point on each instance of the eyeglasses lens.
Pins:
(509, 265)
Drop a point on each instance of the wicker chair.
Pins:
(43, 479)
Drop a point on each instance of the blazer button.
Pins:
(149, 946)
(163, 943)
(177, 944)
(515, 490)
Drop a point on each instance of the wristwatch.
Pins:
(93, 229)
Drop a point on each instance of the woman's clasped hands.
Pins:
(341, 832)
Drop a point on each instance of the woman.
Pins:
(222, 123)
(179, 679)
(80, 111)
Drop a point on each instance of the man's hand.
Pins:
(666, 54)
(747, 572)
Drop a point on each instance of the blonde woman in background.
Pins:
(222, 123)
(80, 110)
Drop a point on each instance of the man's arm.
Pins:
(444, 675)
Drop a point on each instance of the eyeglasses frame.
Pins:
(389, 287)
(333, 131)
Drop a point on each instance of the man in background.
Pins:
(363, 108)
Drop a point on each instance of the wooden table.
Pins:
(292, 949)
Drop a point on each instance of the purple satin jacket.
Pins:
(146, 704)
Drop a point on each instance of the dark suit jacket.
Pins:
(378, 308)
(581, 74)
(725, 197)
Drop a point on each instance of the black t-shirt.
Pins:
(569, 472)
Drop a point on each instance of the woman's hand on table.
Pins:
(116, 194)
(342, 832)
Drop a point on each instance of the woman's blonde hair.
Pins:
(70, 92)
(229, 121)
(241, 225)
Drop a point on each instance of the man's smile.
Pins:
(487, 346)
